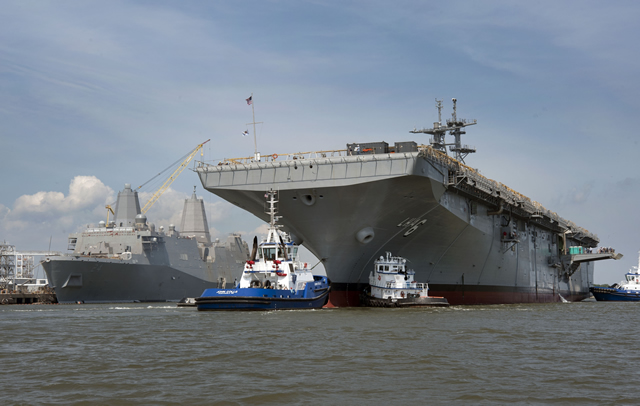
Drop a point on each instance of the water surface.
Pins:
(564, 353)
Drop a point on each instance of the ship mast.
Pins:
(272, 211)
(454, 126)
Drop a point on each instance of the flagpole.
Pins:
(256, 155)
(255, 140)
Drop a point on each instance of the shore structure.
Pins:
(20, 282)
(129, 260)
(472, 239)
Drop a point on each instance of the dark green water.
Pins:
(565, 353)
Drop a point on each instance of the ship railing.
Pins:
(282, 157)
(458, 121)
(406, 285)
(462, 147)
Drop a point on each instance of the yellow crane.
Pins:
(171, 178)
(109, 209)
(166, 183)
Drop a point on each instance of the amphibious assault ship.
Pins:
(129, 260)
(473, 240)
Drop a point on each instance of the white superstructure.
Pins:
(274, 263)
(391, 279)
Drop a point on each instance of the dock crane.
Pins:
(166, 183)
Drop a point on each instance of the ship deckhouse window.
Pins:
(270, 254)
(281, 253)
(386, 267)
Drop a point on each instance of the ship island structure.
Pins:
(472, 239)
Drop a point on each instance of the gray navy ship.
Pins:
(472, 239)
(129, 260)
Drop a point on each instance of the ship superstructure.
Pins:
(472, 239)
(129, 260)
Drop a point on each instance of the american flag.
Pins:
(250, 100)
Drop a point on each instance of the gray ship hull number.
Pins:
(413, 225)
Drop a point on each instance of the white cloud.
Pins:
(85, 192)
(37, 217)
(52, 213)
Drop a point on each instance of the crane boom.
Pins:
(171, 178)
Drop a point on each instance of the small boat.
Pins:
(273, 279)
(187, 302)
(625, 291)
(391, 284)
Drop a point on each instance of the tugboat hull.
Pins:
(409, 302)
(614, 295)
(262, 299)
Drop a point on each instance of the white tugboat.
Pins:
(391, 284)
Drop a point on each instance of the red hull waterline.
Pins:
(351, 298)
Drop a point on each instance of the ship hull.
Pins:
(261, 299)
(111, 281)
(169, 271)
(369, 301)
(350, 211)
(346, 295)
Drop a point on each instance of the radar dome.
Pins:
(141, 219)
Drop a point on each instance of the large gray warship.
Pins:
(474, 240)
(128, 260)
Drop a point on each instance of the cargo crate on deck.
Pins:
(407, 146)
(368, 148)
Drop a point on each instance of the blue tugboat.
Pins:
(625, 291)
(273, 279)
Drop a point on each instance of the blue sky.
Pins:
(97, 94)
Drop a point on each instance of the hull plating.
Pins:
(104, 281)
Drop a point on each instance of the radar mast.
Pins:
(454, 126)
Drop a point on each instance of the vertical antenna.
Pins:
(253, 115)
(455, 127)
(255, 141)
(454, 114)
